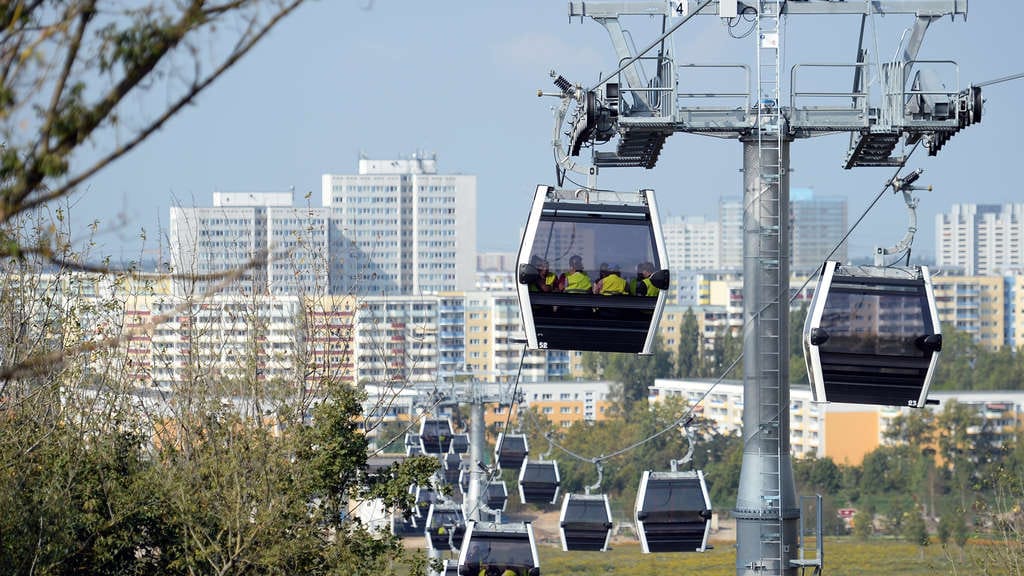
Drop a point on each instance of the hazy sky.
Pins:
(389, 78)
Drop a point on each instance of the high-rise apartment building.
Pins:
(816, 224)
(400, 227)
(272, 246)
(975, 305)
(692, 243)
(730, 219)
(980, 239)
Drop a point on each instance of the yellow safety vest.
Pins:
(613, 284)
(549, 280)
(577, 282)
(652, 290)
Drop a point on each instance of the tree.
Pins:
(98, 478)
(863, 524)
(74, 74)
(797, 365)
(957, 445)
(632, 373)
(726, 350)
(914, 530)
(688, 355)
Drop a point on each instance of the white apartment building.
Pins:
(224, 338)
(980, 239)
(272, 246)
(396, 339)
(730, 218)
(723, 405)
(692, 243)
(400, 227)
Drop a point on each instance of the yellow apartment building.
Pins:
(972, 304)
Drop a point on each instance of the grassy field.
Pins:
(843, 557)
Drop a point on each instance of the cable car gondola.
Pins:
(464, 478)
(872, 335)
(445, 527)
(497, 495)
(499, 547)
(510, 450)
(460, 443)
(451, 568)
(452, 468)
(539, 482)
(424, 497)
(580, 234)
(673, 512)
(435, 435)
(412, 445)
(585, 522)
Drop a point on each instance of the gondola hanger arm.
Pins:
(904, 185)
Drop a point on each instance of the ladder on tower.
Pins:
(770, 133)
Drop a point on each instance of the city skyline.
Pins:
(387, 87)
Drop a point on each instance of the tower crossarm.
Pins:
(648, 99)
(603, 9)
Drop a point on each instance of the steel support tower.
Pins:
(640, 110)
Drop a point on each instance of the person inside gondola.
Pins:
(575, 280)
(546, 279)
(644, 286)
(612, 284)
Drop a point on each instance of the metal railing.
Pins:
(745, 94)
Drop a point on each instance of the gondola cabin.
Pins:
(424, 497)
(673, 512)
(445, 527)
(585, 522)
(872, 335)
(592, 271)
(451, 568)
(452, 468)
(497, 495)
(435, 435)
(490, 548)
(539, 482)
(460, 443)
(412, 445)
(510, 450)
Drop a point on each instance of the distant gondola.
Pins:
(452, 468)
(510, 450)
(445, 527)
(573, 240)
(497, 495)
(585, 522)
(499, 547)
(460, 443)
(539, 482)
(435, 435)
(673, 512)
(872, 335)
